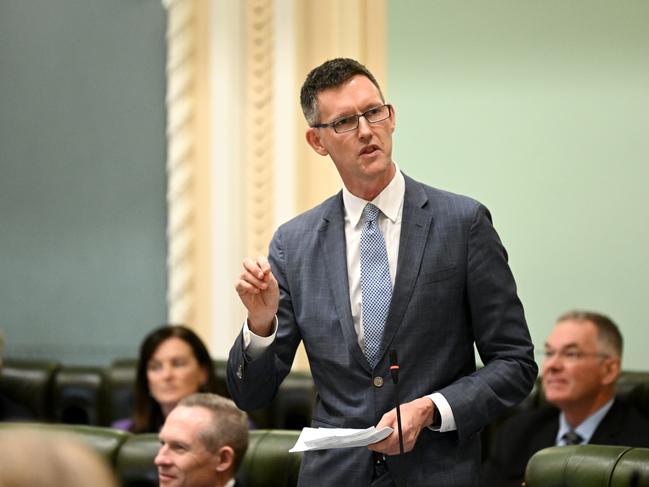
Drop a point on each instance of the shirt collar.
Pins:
(389, 200)
(587, 427)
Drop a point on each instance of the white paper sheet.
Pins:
(324, 438)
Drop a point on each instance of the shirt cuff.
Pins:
(254, 345)
(442, 405)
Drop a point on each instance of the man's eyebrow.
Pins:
(351, 113)
(345, 115)
(175, 443)
(568, 345)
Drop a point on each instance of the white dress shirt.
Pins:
(390, 202)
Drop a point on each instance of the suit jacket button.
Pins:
(240, 372)
(378, 381)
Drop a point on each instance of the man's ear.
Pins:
(313, 139)
(225, 456)
(612, 368)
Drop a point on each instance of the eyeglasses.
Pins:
(571, 355)
(347, 124)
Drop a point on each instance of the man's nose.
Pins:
(161, 458)
(364, 129)
(553, 362)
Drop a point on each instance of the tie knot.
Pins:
(370, 212)
(572, 438)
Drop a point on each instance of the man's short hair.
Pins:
(608, 334)
(228, 428)
(329, 74)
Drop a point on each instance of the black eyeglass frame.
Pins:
(357, 117)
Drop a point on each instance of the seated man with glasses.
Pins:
(582, 361)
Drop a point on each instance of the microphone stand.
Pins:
(394, 372)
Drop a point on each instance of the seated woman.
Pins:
(173, 364)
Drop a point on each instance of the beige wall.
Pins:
(251, 58)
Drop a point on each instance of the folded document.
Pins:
(324, 438)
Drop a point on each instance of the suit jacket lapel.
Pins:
(608, 429)
(333, 247)
(416, 220)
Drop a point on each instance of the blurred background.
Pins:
(146, 147)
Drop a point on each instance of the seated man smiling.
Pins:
(203, 441)
(582, 363)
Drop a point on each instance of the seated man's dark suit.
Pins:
(521, 436)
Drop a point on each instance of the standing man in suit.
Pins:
(582, 363)
(202, 443)
(386, 264)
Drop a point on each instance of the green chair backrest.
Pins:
(76, 396)
(632, 470)
(29, 383)
(267, 462)
(135, 467)
(589, 466)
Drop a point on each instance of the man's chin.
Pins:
(166, 479)
(557, 400)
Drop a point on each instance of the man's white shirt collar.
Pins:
(389, 200)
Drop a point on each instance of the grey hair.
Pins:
(229, 426)
(608, 333)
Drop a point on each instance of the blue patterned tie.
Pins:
(376, 287)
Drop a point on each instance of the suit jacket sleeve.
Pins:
(500, 332)
(253, 383)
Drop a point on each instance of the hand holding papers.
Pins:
(324, 438)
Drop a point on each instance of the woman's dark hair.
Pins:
(148, 417)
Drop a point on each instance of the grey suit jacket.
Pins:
(453, 288)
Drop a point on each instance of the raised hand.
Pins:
(259, 293)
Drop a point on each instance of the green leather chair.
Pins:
(267, 462)
(134, 466)
(118, 391)
(77, 395)
(29, 383)
(633, 387)
(589, 466)
(220, 371)
(98, 396)
(293, 404)
(292, 407)
(632, 470)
